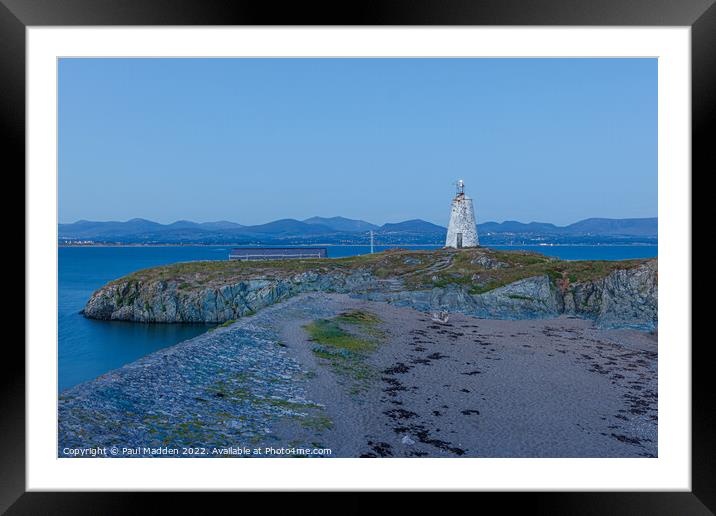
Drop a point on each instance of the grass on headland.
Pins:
(329, 333)
(467, 270)
(334, 333)
(418, 269)
(344, 342)
(358, 317)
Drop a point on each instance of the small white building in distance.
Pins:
(462, 231)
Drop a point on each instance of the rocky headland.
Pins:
(480, 282)
(341, 358)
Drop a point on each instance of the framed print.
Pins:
(423, 249)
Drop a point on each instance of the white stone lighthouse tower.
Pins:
(462, 231)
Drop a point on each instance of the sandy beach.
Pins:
(490, 388)
(395, 384)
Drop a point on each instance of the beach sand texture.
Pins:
(418, 388)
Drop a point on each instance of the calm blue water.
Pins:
(88, 348)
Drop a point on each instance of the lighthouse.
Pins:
(462, 231)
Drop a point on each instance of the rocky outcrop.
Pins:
(487, 262)
(525, 299)
(624, 298)
(168, 302)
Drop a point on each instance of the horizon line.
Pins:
(347, 218)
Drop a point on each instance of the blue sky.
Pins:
(254, 140)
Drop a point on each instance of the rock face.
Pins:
(525, 299)
(167, 302)
(624, 298)
(487, 262)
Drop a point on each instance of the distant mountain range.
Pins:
(592, 227)
(342, 224)
(341, 230)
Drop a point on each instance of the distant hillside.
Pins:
(413, 226)
(220, 224)
(342, 223)
(341, 230)
(625, 227)
(646, 227)
(285, 227)
(512, 226)
(97, 230)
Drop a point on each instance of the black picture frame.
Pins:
(17, 15)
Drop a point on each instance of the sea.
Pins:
(88, 348)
